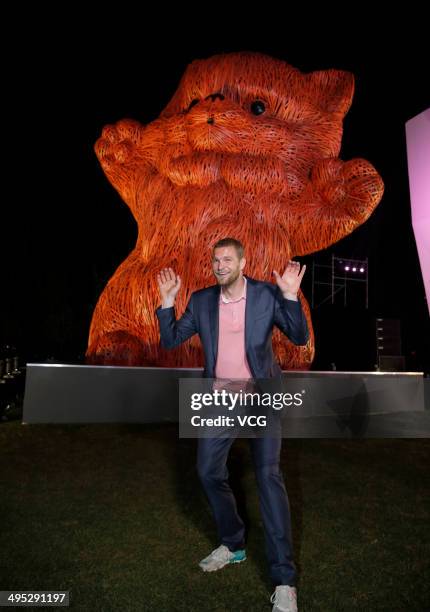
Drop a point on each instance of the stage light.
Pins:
(344, 273)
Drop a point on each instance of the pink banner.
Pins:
(418, 150)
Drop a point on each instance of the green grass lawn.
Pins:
(116, 515)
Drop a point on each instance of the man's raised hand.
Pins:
(168, 284)
(289, 282)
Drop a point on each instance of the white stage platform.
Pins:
(338, 404)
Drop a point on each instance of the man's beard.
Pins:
(227, 280)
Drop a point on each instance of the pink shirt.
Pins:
(231, 359)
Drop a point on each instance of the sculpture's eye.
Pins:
(192, 103)
(258, 107)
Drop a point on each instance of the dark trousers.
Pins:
(212, 456)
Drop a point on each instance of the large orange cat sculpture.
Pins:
(248, 148)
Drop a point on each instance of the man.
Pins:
(234, 320)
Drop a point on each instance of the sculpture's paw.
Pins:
(354, 184)
(118, 142)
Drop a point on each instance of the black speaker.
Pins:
(391, 363)
(389, 345)
(388, 339)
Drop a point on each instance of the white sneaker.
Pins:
(284, 598)
(220, 557)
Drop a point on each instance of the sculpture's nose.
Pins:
(213, 97)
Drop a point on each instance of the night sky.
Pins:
(65, 230)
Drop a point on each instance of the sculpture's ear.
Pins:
(331, 90)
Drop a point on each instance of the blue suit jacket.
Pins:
(265, 307)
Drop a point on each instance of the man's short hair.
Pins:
(225, 242)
